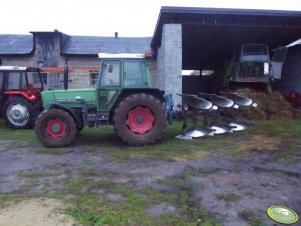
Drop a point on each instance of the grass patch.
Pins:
(280, 139)
(32, 184)
(25, 137)
(256, 221)
(274, 127)
(93, 173)
(52, 151)
(179, 182)
(249, 216)
(81, 184)
(37, 174)
(228, 197)
(281, 175)
(266, 136)
(5, 199)
(89, 207)
(90, 148)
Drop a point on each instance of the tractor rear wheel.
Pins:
(55, 128)
(18, 113)
(140, 119)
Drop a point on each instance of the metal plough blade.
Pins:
(221, 129)
(197, 132)
(239, 99)
(219, 101)
(188, 134)
(183, 137)
(237, 126)
(196, 102)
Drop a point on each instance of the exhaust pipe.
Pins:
(66, 72)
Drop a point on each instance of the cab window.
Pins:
(16, 81)
(134, 73)
(110, 75)
(34, 80)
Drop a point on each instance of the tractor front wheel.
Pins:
(140, 119)
(55, 128)
(18, 113)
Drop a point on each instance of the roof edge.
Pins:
(238, 11)
(218, 11)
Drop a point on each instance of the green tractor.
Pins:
(123, 97)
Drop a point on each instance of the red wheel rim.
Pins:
(140, 120)
(56, 128)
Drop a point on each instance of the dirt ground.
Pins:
(46, 212)
(232, 191)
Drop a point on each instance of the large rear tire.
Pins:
(55, 128)
(140, 119)
(18, 113)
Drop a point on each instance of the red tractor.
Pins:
(20, 95)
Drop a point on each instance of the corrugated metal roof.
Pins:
(90, 45)
(16, 44)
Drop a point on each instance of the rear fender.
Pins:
(126, 92)
(25, 94)
(63, 107)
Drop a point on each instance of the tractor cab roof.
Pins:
(124, 55)
(16, 68)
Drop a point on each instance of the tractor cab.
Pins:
(20, 95)
(252, 65)
(120, 73)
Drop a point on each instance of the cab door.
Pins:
(109, 84)
(277, 62)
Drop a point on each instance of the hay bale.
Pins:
(270, 106)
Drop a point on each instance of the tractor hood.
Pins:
(69, 97)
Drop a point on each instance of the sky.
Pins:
(130, 18)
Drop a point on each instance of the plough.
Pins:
(212, 108)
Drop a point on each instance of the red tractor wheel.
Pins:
(55, 128)
(140, 119)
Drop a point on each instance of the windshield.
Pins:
(255, 52)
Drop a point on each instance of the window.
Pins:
(34, 80)
(110, 73)
(93, 79)
(134, 73)
(251, 69)
(16, 80)
(197, 72)
(190, 72)
(254, 52)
